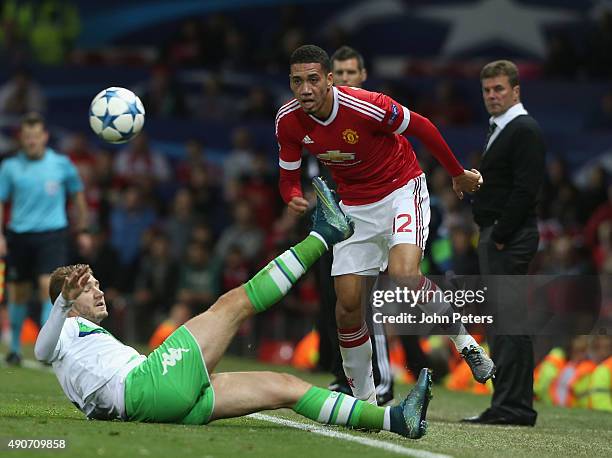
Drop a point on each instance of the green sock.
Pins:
(271, 283)
(334, 408)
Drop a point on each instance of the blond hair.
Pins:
(58, 277)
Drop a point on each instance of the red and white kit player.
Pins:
(359, 135)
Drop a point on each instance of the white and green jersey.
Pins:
(90, 364)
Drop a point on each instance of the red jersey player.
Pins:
(358, 135)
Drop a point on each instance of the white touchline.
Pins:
(323, 431)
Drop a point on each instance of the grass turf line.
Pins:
(32, 405)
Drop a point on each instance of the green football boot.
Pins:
(328, 219)
(408, 418)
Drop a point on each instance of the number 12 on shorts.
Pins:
(401, 223)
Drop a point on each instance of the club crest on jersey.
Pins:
(336, 156)
(350, 136)
(394, 114)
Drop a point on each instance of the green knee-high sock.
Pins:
(334, 408)
(271, 283)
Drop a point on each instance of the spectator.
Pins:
(599, 45)
(239, 162)
(258, 105)
(186, 48)
(128, 222)
(562, 59)
(202, 233)
(446, 107)
(215, 28)
(454, 213)
(156, 284)
(213, 103)
(101, 256)
(108, 186)
(21, 95)
(180, 223)
(83, 157)
(259, 189)
(464, 258)
(164, 96)
(237, 51)
(139, 164)
(206, 198)
(235, 269)
(557, 193)
(282, 234)
(194, 157)
(601, 118)
(595, 193)
(198, 286)
(602, 214)
(53, 31)
(243, 233)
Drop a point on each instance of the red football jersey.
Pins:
(360, 142)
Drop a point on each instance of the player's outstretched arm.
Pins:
(49, 335)
(429, 135)
(468, 181)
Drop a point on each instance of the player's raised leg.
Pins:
(241, 393)
(404, 260)
(215, 328)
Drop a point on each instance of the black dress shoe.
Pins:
(340, 385)
(489, 417)
(384, 398)
(13, 359)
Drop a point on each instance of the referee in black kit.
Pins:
(512, 166)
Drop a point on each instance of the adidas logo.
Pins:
(307, 140)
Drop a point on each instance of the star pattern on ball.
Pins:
(108, 119)
(116, 115)
(109, 94)
(133, 109)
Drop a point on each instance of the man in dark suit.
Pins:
(512, 165)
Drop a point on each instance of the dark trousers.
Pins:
(329, 351)
(512, 354)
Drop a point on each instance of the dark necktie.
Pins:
(490, 132)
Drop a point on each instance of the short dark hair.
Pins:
(32, 119)
(311, 54)
(346, 53)
(501, 67)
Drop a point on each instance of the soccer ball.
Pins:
(116, 115)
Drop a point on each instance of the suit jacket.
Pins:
(513, 171)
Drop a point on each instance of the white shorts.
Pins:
(401, 217)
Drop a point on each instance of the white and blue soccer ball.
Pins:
(116, 115)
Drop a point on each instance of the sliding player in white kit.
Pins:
(106, 379)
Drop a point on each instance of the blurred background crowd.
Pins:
(190, 208)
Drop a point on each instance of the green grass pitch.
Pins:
(32, 405)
